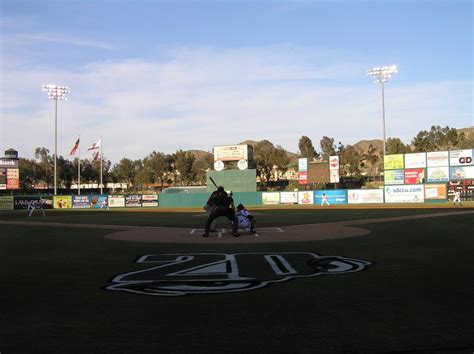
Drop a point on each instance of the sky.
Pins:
(167, 75)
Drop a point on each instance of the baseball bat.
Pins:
(214, 183)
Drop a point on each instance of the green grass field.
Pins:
(416, 297)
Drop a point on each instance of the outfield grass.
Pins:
(416, 297)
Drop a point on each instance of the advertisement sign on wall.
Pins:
(150, 200)
(98, 200)
(80, 201)
(289, 197)
(62, 201)
(461, 157)
(394, 177)
(435, 191)
(6, 203)
(365, 196)
(133, 200)
(334, 196)
(270, 198)
(461, 172)
(393, 162)
(305, 197)
(116, 201)
(414, 176)
(416, 160)
(405, 194)
(437, 159)
(438, 174)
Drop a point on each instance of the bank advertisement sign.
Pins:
(394, 177)
(435, 191)
(461, 158)
(365, 196)
(414, 176)
(305, 197)
(289, 197)
(461, 172)
(437, 159)
(405, 194)
(270, 198)
(116, 201)
(417, 160)
(438, 174)
(393, 162)
(334, 196)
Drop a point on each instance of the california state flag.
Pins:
(94, 146)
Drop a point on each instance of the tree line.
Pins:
(183, 168)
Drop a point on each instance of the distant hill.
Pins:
(363, 145)
(468, 132)
(291, 155)
(199, 154)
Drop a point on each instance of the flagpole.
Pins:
(79, 169)
(100, 164)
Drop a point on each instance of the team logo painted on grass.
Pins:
(211, 273)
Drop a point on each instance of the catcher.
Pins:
(246, 221)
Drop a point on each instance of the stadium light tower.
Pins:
(380, 76)
(56, 93)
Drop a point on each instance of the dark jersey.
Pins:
(223, 200)
(212, 199)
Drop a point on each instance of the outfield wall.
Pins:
(400, 194)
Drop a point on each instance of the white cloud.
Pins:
(200, 97)
(22, 38)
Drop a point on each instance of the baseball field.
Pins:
(385, 279)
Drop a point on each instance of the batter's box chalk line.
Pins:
(222, 232)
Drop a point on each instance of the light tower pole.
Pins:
(380, 76)
(56, 93)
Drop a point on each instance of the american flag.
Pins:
(74, 148)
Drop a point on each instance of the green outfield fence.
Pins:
(389, 194)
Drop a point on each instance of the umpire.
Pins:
(224, 206)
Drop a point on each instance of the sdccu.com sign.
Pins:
(405, 194)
